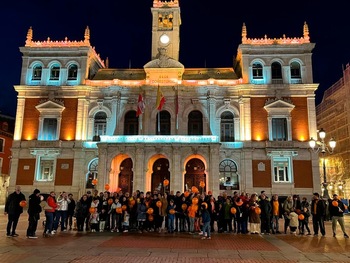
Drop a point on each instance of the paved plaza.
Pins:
(75, 247)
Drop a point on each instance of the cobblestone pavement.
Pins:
(75, 247)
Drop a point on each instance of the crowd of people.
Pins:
(170, 212)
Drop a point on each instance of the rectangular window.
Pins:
(279, 129)
(227, 132)
(55, 73)
(281, 170)
(2, 143)
(46, 170)
(100, 128)
(49, 129)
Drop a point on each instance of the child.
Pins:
(126, 221)
(171, 216)
(206, 221)
(94, 221)
(293, 223)
(103, 218)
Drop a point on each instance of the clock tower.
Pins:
(166, 23)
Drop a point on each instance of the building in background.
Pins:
(82, 125)
(7, 127)
(333, 115)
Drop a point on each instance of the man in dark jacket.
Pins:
(13, 209)
(34, 211)
(336, 210)
(318, 211)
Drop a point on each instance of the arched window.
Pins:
(37, 71)
(227, 127)
(100, 123)
(229, 179)
(55, 72)
(195, 123)
(257, 71)
(72, 72)
(295, 70)
(276, 71)
(131, 123)
(163, 125)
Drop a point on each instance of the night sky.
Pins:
(210, 32)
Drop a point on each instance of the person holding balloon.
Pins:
(304, 217)
(336, 211)
(13, 209)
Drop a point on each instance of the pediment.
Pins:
(50, 106)
(279, 106)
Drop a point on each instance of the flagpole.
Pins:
(158, 122)
(177, 108)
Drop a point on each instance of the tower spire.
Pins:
(29, 36)
(87, 35)
(244, 33)
(306, 32)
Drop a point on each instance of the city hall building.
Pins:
(81, 125)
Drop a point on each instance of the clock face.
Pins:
(164, 39)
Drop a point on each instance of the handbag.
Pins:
(45, 205)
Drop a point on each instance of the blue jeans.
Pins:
(61, 217)
(206, 228)
(170, 224)
(49, 221)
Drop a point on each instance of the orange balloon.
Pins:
(194, 200)
(23, 203)
(184, 207)
(233, 210)
(150, 217)
(257, 210)
(92, 210)
(195, 207)
(110, 201)
(301, 217)
(124, 207)
(172, 211)
(94, 182)
(201, 184)
(166, 182)
(159, 204)
(118, 189)
(132, 202)
(194, 189)
(119, 210)
(107, 187)
(186, 194)
(150, 211)
(335, 203)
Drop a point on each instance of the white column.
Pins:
(19, 119)
(80, 120)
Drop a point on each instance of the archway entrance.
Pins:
(126, 176)
(195, 174)
(160, 172)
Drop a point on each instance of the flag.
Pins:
(140, 105)
(160, 99)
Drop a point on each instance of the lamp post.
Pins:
(323, 148)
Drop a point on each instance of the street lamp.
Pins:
(321, 146)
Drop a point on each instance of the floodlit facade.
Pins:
(333, 115)
(82, 125)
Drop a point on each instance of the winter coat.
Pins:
(12, 206)
(34, 208)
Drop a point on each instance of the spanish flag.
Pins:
(160, 99)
